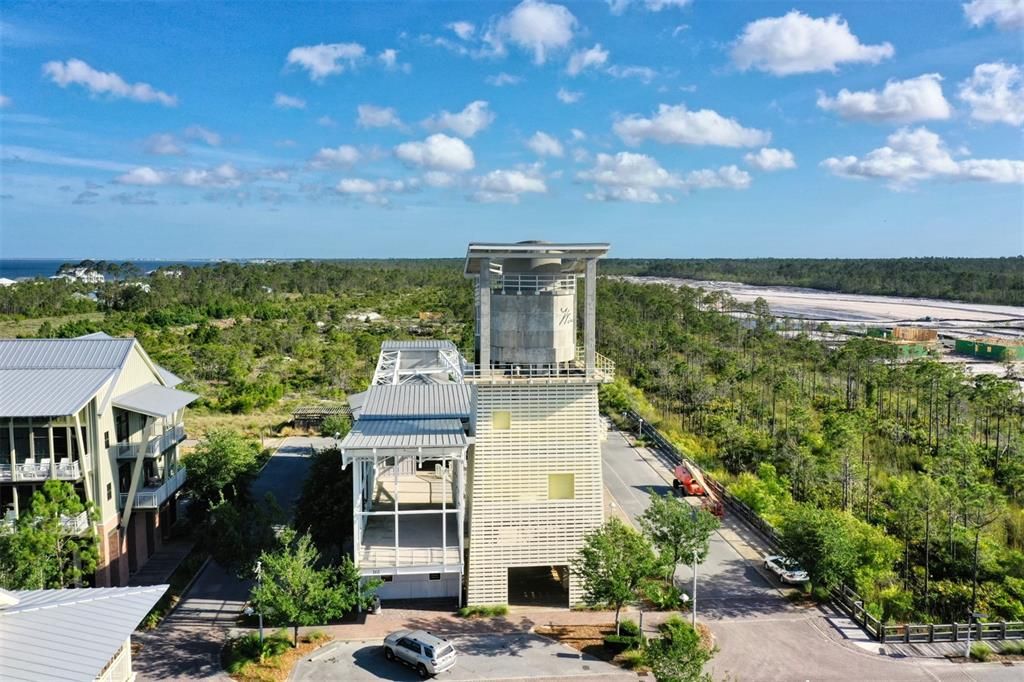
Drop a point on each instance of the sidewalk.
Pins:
(187, 644)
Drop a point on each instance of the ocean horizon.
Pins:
(29, 268)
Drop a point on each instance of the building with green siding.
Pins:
(999, 350)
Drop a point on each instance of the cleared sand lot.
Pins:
(826, 306)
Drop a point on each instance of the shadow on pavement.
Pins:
(371, 659)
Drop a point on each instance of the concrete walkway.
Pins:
(162, 564)
(187, 644)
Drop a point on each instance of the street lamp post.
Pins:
(259, 580)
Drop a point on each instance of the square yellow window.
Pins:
(561, 486)
(501, 420)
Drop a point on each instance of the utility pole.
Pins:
(693, 597)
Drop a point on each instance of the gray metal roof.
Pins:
(409, 401)
(170, 378)
(49, 392)
(405, 433)
(419, 344)
(91, 353)
(154, 400)
(569, 253)
(69, 634)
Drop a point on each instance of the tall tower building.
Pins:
(534, 470)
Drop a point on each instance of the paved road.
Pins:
(480, 657)
(760, 635)
(187, 645)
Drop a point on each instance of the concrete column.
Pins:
(53, 455)
(484, 319)
(590, 316)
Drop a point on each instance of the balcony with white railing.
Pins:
(70, 525)
(153, 447)
(575, 371)
(152, 496)
(66, 469)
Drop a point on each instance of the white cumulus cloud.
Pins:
(627, 176)
(437, 152)
(568, 96)
(1006, 14)
(620, 6)
(224, 175)
(535, 26)
(768, 159)
(164, 144)
(344, 155)
(476, 116)
(914, 99)
(678, 125)
(995, 93)
(5, 101)
(143, 175)
(326, 59)
(205, 135)
(370, 116)
(77, 72)
(503, 79)
(910, 156)
(582, 60)
(463, 29)
(507, 186)
(543, 144)
(797, 43)
(283, 101)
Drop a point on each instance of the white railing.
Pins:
(75, 525)
(151, 497)
(513, 283)
(376, 556)
(603, 370)
(154, 446)
(70, 470)
(70, 525)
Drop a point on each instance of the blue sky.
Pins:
(670, 128)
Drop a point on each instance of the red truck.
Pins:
(684, 481)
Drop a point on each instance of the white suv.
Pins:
(427, 653)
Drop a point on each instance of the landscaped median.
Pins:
(247, 659)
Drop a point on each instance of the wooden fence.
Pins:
(843, 597)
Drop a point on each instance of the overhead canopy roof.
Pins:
(419, 344)
(425, 401)
(49, 392)
(572, 255)
(170, 378)
(404, 434)
(68, 634)
(154, 400)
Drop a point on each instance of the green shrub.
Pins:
(315, 636)
(981, 651)
(244, 650)
(629, 627)
(335, 424)
(483, 611)
(633, 659)
(1013, 649)
(663, 595)
(620, 643)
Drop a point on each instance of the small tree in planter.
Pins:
(613, 562)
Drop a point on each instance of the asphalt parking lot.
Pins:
(480, 657)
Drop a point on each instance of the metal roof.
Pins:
(69, 634)
(410, 401)
(419, 344)
(477, 251)
(49, 392)
(91, 353)
(170, 378)
(154, 400)
(386, 434)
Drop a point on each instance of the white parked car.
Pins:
(427, 654)
(788, 570)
